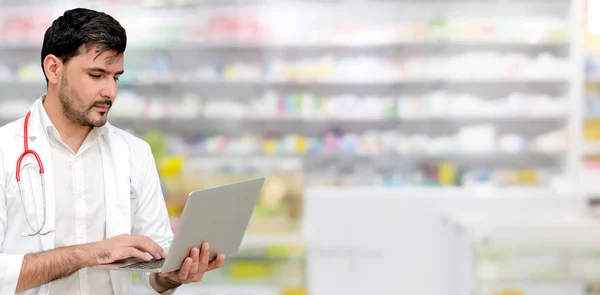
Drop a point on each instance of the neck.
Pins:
(70, 132)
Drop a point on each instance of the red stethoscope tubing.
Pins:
(27, 151)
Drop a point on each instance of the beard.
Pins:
(74, 110)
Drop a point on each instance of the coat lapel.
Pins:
(115, 159)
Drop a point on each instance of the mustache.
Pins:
(99, 103)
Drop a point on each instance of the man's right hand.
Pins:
(124, 246)
(40, 268)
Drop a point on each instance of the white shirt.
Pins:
(80, 208)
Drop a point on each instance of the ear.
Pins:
(53, 68)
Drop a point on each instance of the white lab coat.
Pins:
(124, 157)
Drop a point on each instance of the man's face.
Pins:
(88, 86)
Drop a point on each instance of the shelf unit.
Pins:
(517, 254)
(589, 170)
(222, 51)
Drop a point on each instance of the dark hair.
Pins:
(86, 27)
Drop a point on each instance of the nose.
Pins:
(109, 89)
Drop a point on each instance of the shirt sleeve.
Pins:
(10, 264)
(151, 202)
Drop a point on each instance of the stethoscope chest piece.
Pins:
(133, 192)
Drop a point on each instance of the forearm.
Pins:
(161, 284)
(41, 268)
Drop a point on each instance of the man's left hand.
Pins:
(193, 268)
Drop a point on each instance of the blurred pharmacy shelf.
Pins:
(458, 99)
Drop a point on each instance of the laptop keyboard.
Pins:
(152, 264)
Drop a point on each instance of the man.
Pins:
(52, 233)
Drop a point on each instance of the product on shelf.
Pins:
(591, 130)
(444, 174)
(254, 26)
(309, 106)
(133, 106)
(592, 67)
(592, 101)
(217, 158)
(442, 104)
(365, 69)
(469, 140)
(24, 27)
(468, 67)
(591, 125)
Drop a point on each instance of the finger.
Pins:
(159, 251)
(217, 263)
(204, 256)
(148, 245)
(185, 270)
(133, 252)
(195, 255)
(147, 249)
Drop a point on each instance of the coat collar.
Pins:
(35, 127)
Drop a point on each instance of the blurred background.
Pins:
(410, 147)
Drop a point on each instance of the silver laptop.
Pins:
(218, 215)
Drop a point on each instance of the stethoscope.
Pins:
(27, 151)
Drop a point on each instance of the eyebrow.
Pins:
(96, 69)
